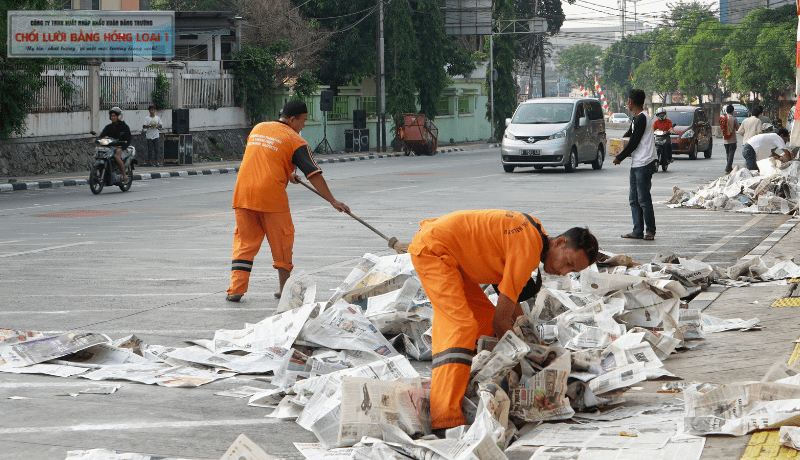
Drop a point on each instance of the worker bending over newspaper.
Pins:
(453, 255)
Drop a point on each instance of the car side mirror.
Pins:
(582, 121)
(508, 122)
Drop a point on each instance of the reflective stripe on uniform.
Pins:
(241, 264)
(453, 356)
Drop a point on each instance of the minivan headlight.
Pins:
(689, 133)
(509, 135)
(558, 135)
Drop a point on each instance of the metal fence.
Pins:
(341, 108)
(207, 90)
(67, 89)
(64, 90)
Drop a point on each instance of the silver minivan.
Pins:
(555, 131)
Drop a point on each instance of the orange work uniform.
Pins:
(453, 255)
(260, 201)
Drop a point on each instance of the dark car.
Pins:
(692, 131)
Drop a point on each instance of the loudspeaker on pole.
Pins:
(326, 101)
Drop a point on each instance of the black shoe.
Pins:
(233, 297)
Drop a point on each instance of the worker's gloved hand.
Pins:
(399, 246)
(339, 206)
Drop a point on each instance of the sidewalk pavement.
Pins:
(56, 180)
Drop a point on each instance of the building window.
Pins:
(443, 106)
(191, 52)
(464, 104)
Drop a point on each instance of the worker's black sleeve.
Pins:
(303, 159)
(639, 125)
(528, 292)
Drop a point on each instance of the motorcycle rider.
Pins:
(120, 131)
(665, 124)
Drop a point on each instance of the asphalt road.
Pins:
(155, 262)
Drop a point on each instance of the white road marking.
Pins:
(32, 251)
(137, 426)
(437, 190)
(311, 209)
(105, 310)
(479, 177)
(396, 188)
(10, 241)
(184, 332)
(155, 294)
(31, 207)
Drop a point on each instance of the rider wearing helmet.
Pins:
(120, 131)
(663, 123)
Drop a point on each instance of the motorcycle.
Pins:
(105, 170)
(662, 139)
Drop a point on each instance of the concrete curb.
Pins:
(200, 172)
(704, 299)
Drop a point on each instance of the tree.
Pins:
(581, 63)
(255, 69)
(19, 78)
(757, 59)
(350, 52)
(431, 76)
(269, 21)
(622, 59)
(401, 54)
(677, 12)
(698, 62)
(193, 5)
(505, 89)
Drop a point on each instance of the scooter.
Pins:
(105, 170)
(662, 138)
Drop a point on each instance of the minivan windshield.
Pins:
(543, 113)
(680, 118)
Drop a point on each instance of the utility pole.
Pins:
(381, 69)
(491, 84)
(378, 73)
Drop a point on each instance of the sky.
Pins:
(585, 13)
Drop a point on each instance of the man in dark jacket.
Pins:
(120, 131)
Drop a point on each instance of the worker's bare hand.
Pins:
(341, 207)
(617, 161)
(294, 178)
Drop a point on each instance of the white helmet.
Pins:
(116, 110)
(661, 112)
(767, 128)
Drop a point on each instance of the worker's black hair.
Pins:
(758, 110)
(729, 108)
(581, 238)
(151, 107)
(782, 132)
(293, 108)
(637, 96)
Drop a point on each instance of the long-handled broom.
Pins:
(399, 246)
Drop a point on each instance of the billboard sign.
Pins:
(89, 33)
(468, 17)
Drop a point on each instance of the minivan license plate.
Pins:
(531, 152)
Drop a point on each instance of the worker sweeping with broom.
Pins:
(452, 256)
(274, 150)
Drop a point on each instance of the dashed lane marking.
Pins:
(137, 426)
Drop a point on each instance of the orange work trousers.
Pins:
(461, 314)
(251, 228)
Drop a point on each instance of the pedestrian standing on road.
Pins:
(152, 124)
(274, 151)
(765, 145)
(752, 125)
(729, 126)
(642, 150)
(452, 256)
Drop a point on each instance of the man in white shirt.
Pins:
(752, 125)
(642, 150)
(763, 146)
(151, 126)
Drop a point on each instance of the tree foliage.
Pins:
(255, 69)
(698, 62)
(19, 78)
(401, 59)
(430, 74)
(761, 53)
(160, 93)
(349, 55)
(622, 59)
(581, 63)
(505, 89)
(305, 86)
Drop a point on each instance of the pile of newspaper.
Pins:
(340, 368)
(774, 189)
